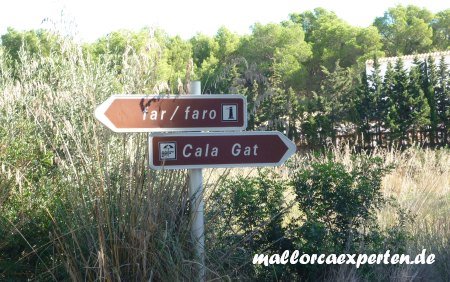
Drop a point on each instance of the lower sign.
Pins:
(203, 150)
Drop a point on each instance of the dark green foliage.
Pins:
(370, 106)
(429, 84)
(37, 42)
(317, 126)
(390, 112)
(380, 101)
(420, 104)
(365, 107)
(442, 97)
(330, 108)
(336, 88)
(402, 101)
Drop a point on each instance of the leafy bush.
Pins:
(26, 194)
(337, 208)
(323, 207)
(336, 203)
(246, 216)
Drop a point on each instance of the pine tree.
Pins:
(324, 118)
(429, 84)
(402, 103)
(309, 127)
(388, 102)
(253, 105)
(443, 98)
(376, 88)
(293, 110)
(318, 124)
(363, 107)
(335, 89)
(419, 104)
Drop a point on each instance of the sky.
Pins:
(90, 20)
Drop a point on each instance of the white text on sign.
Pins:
(207, 150)
(229, 113)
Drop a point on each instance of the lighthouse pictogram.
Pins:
(229, 112)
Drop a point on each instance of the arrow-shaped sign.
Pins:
(202, 150)
(149, 113)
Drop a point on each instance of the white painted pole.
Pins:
(197, 205)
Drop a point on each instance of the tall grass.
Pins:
(419, 187)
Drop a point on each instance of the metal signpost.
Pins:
(170, 148)
(196, 200)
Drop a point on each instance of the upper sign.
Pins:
(149, 113)
(219, 149)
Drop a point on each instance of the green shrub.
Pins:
(336, 203)
(245, 217)
(26, 194)
(338, 207)
(323, 207)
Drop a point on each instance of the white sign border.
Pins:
(101, 109)
(292, 149)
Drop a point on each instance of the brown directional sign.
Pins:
(148, 113)
(202, 150)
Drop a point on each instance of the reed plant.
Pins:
(101, 213)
